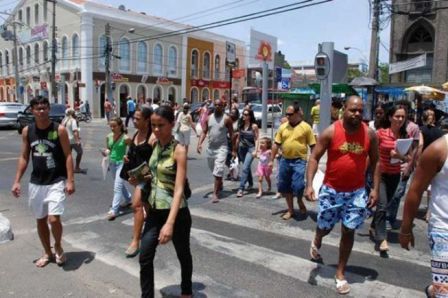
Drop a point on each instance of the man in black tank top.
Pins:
(52, 176)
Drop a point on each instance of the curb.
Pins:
(5, 230)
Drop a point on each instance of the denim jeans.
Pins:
(120, 188)
(394, 204)
(291, 176)
(388, 186)
(181, 240)
(245, 156)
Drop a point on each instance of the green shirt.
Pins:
(163, 169)
(117, 149)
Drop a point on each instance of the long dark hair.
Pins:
(251, 117)
(146, 112)
(390, 113)
(165, 111)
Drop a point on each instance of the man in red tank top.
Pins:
(343, 197)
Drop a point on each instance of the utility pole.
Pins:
(54, 93)
(374, 41)
(107, 58)
(19, 97)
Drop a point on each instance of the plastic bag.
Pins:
(234, 168)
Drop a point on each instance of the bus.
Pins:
(253, 95)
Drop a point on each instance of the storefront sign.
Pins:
(163, 81)
(220, 85)
(238, 73)
(116, 77)
(199, 83)
(416, 62)
(34, 34)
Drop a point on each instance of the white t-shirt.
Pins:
(71, 126)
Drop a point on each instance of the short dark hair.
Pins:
(296, 106)
(165, 111)
(39, 100)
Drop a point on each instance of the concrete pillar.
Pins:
(87, 43)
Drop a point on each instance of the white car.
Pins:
(274, 113)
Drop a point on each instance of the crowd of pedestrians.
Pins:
(154, 161)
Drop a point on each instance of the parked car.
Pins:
(57, 113)
(8, 113)
(274, 113)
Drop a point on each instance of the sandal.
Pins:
(43, 261)
(342, 286)
(60, 259)
(259, 195)
(132, 251)
(314, 253)
(287, 215)
(239, 194)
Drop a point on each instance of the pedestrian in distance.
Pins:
(139, 152)
(108, 108)
(247, 145)
(315, 116)
(395, 129)
(342, 197)
(116, 143)
(264, 171)
(168, 214)
(217, 127)
(51, 178)
(71, 125)
(293, 137)
(432, 169)
(184, 124)
(131, 106)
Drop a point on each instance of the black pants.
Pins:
(129, 116)
(181, 240)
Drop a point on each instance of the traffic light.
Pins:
(322, 66)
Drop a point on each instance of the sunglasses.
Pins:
(289, 114)
(245, 114)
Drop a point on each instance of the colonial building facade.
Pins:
(149, 58)
(420, 27)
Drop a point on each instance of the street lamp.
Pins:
(364, 59)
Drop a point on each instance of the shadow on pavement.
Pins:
(174, 291)
(76, 259)
(360, 274)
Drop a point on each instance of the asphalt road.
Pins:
(241, 247)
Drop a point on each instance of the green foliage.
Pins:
(383, 76)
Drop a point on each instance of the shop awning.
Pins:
(393, 91)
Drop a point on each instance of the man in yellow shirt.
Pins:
(315, 116)
(293, 137)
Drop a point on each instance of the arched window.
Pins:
(45, 50)
(44, 10)
(206, 66)
(36, 53)
(28, 16)
(216, 94)
(141, 93)
(28, 56)
(172, 94)
(36, 13)
(172, 61)
(20, 57)
(1, 63)
(217, 67)
(142, 57)
(7, 61)
(102, 51)
(157, 93)
(64, 51)
(125, 54)
(75, 50)
(20, 16)
(158, 59)
(194, 63)
(205, 94)
(194, 94)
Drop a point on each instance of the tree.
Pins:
(383, 75)
(354, 73)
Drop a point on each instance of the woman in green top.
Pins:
(116, 143)
(168, 216)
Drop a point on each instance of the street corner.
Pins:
(6, 233)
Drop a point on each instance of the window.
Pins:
(194, 63)
(216, 94)
(206, 66)
(217, 67)
(45, 10)
(75, 50)
(7, 61)
(157, 94)
(36, 53)
(172, 61)
(141, 93)
(20, 57)
(64, 51)
(142, 54)
(28, 56)
(1, 63)
(172, 94)
(102, 51)
(45, 50)
(422, 5)
(125, 54)
(28, 15)
(158, 59)
(20, 16)
(205, 94)
(36, 13)
(194, 94)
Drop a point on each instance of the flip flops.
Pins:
(342, 286)
(43, 261)
(60, 259)
(132, 252)
(314, 253)
(287, 215)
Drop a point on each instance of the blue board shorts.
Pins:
(348, 207)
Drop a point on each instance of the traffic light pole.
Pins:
(19, 96)
(54, 93)
(107, 58)
(326, 88)
(264, 99)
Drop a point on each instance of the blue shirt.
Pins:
(131, 105)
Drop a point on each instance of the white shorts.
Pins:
(216, 160)
(46, 200)
(316, 129)
(183, 137)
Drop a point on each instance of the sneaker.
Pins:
(111, 216)
(239, 194)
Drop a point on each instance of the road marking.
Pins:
(413, 256)
(8, 158)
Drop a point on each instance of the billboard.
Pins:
(262, 47)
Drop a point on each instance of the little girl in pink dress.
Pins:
(263, 168)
